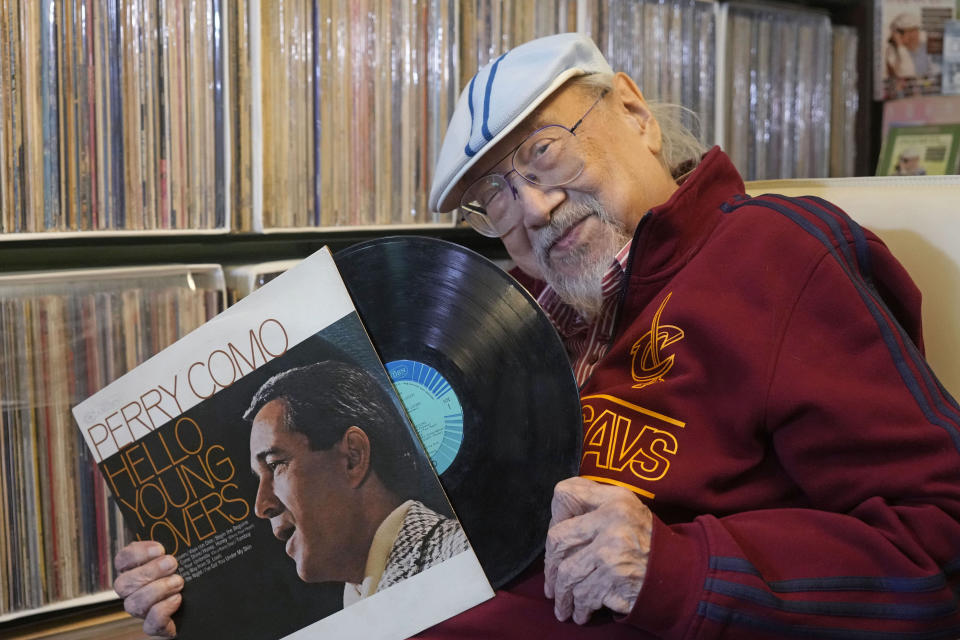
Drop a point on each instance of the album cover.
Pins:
(268, 451)
(908, 46)
(920, 150)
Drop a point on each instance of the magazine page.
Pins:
(908, 46)
(268, 451)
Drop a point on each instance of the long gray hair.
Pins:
(681, 147)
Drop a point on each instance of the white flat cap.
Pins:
(500, 96)
(905, 21)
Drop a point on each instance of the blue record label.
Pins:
(433, 407)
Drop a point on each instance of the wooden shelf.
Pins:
(77, 251)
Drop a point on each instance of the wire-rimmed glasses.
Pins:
(548, 157)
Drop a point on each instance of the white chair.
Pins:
(919, 220)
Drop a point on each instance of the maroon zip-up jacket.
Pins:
(766, 395)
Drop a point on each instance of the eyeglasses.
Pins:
(548, 157)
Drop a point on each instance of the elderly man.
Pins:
(766, 453)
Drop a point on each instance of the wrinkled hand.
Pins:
(597, 549)
(149, 586)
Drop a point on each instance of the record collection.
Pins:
(844, 102)
(490, 27)
(65, 335)
(111, 116)
(169, 116)
(668, 48)
(175, 116)
(341, 109)
(776, 91)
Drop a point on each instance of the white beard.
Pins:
(579, 285)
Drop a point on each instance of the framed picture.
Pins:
(920, 150)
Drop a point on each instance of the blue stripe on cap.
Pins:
(486, 99)
(484, 130)
(467, 150)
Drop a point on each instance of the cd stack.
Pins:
(776, 91)
(111, 116)
(668, 48)
(65, 335)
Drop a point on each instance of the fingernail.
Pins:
(168, 563)
(155, 551)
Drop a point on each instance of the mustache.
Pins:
(565, 217)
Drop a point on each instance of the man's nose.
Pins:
(267, 505)
(538, 202)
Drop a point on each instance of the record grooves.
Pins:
(483, 365)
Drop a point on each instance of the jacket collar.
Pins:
(672, 232)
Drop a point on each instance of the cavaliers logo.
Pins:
(649, 363)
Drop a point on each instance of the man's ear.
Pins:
(630, 98)
(354, 446)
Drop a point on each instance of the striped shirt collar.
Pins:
(586, 342)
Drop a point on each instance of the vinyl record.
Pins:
(485, 379)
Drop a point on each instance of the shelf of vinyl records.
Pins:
(66, 334)
(218, 117)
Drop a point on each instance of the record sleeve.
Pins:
(268, 452)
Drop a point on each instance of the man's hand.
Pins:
(149, 586)
(597, 549)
